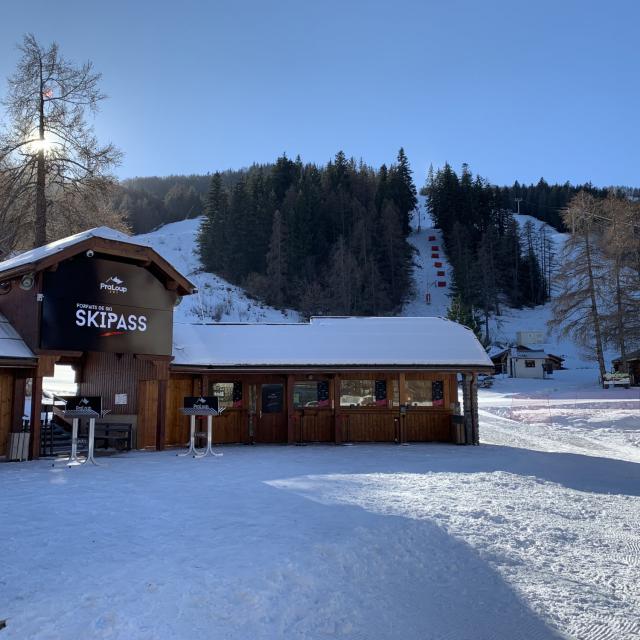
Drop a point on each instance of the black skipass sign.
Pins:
(94, 304)
(83, 403)
(201, 402)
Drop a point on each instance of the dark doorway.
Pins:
(272, 414)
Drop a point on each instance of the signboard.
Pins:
(121, 398)
(237, 394)
(272, 398)
(381, 393)
(96, 304)
(437, 393)
(83, 403)
(201, 402)
(323, 394)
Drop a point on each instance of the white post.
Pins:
(192, 437)
(92, 434)
(73, 458)
(209, 434)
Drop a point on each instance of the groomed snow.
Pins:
(330, 341)
(532, 535)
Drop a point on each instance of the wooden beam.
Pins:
(402, 397)
(161, 424)
(35, 421)
(17, 408)
(337, 426)
(291, 417)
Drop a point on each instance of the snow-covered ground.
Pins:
(217, 300)
(532, 535)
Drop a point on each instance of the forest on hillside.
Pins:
(494, 261)
(333, 238)
(148, 202)
(321, 239)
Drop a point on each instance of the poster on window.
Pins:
(237, 395)
(380, 391)
(323, 394)
(437, 393)
(272, 398)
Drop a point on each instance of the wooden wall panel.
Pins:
(177, 425)
(429, 426)
(23, 311)
(315, 426)
(6, 406)
(105, 374)
(361, 425)
(231, 427)
(147, 413)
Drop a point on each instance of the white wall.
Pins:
(518, 369)
(530, 337)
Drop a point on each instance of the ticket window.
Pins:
(311, 395)
(229, 394)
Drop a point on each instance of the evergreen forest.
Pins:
(321, 239)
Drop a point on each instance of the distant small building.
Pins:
(630, 364)
(528, 363)
(521, 361)
(530, 337)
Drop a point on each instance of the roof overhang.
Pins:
(134, 253)
(328, 368)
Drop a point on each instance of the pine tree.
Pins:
(277, 262)
(213, 241)
(403, 190)
(463, 314)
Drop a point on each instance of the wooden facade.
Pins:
(148, 390)
(395, 421)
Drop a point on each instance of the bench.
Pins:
(118, 433)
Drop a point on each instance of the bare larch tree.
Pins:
(49, 154)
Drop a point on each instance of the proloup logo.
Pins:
(113, 285)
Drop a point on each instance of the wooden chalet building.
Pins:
(630, 365)
(104, 305)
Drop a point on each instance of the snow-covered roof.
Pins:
(330, 342)
(12, 346)
(46, 255)
(35, 255)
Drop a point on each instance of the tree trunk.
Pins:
(620, 316)
(594, 308)
(40, 235)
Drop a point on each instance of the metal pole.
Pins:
(192, 438)
(73, 458)
(92, 433)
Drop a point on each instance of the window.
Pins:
(395, 393)
(419, 393)
(357, 393)
(311, 394)
(229, 394)
(530, 364)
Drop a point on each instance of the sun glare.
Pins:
(36, 145)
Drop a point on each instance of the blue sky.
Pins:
(517, 89)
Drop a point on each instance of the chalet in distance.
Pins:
(104, 305)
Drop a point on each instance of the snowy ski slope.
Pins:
(217, 300)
